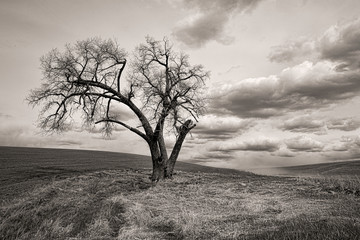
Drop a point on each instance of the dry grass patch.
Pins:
(228, 207)
(126, 205)
(339, 183)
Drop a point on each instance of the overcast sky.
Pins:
(285, 74)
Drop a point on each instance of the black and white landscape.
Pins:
(184, 119)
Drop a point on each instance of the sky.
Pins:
(285, 74)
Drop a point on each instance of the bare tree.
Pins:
(164, 91)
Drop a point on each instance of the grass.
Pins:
(22, 168)
(346, 184)
(68, 194)
(124, 204)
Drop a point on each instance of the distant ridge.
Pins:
(350, 168)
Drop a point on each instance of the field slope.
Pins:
(327, 169)
(120, 202)
(338, 168)
(23, 168)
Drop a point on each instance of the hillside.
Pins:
(22, 168)
(327, 169)
(76, 197)
(339, 168)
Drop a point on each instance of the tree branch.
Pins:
(146, 138)
(119, 75)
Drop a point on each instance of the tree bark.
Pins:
(162, 145)
(163, 167)
(157, 162)
(170, 164)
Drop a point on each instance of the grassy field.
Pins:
(23, 168)
(122, 203)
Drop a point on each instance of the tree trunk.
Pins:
(162, 166)
(184, 130)
(157, 161)
(158, 170)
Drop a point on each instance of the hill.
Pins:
(327, 169)
(331, 169)
(76, 197)
(23, 168)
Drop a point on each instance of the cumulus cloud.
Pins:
(332, 76)
(347, 147)
(293, 50)
(210, 19)
(284, 152)
(340, 44)
(260, 144)
(308, 124)
(300, 95)
(304, 124)
(341, 145)
(344, 124)
(304, 86)
(304, 144)
(214, 127)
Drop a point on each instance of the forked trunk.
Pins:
(163, 167)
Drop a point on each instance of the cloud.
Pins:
(330, 78)
(307, 124)
(18, 132)
(203, 29)
(210, 20)
(214, 127)
(304, 124)
(325, 75)
(213, 155)
(344, 124)
(304, 86)
(304, 144)
(340, 44)
(347, 147)
(292, 50)
(258, 145)
(344, 144)
(284, 152)
(122, 113)
(15, 133)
